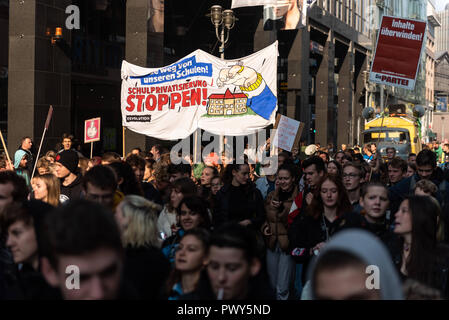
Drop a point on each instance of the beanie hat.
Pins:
(69, 159)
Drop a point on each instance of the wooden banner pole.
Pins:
(123, 140)
(6, 149)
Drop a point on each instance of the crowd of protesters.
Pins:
(141, 227)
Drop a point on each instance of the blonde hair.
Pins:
(53, 188)
(141, 229)
(43, 163)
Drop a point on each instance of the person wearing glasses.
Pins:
(352, 179)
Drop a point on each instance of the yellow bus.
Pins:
(398, 130)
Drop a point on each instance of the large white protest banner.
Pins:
(223, 97)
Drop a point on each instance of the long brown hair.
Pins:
(423, 256)
(316, 208)
(53, 188)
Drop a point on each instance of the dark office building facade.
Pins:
(320, 67)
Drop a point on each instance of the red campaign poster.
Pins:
(398, 51)
(92, 130)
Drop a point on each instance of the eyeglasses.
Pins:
(350, 175)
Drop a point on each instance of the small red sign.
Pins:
(398, 51)
(92, 130)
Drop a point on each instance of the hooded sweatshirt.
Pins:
(371, 251)
(21, 171)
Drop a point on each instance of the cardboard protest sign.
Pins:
(398, 52)
(288, 132)
(223, 97)
(92, 130)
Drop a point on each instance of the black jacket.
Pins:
(306, 232)
(151, 193)
(238, 204)
(439, 279)
(73, 191)
(146, 269)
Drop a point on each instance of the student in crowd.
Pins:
(325, 216)
(236, 246)
(126, 179)
(280, 265)
(397, 169)
(83, 165)
(216, 183)
(420, 256)
(412, 158)
(181, 170)
(313, 171)
(205, 181)
(374, 202)
(156, 151)
(146, 268)
(239, 200)
(266, 184)
(22, 223)
(43, 166)
(162, 179)
(66, 166)
(20, 165)
(149, 169)
(47, 189)
(85, 234)
(391, 153)
(181, 188)
(190, 259)
(426, 170)
(339, 157)
(340, 272)
(50, 156)
(334, 167)
(26, 144)
(411, 170)
(12, 188)
(150, 192)
(353, 176)
(99, 185)
(192, 213)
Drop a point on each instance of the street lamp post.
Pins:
(222, 20)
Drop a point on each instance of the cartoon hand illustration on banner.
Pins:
(238, 76)
(260, 98)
